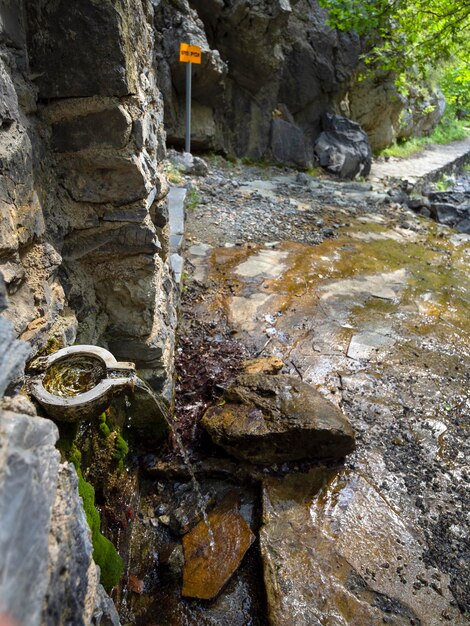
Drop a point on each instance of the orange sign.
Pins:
(190, 54)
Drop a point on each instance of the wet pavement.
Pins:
(369, 303)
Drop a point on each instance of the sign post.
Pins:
(189, 55)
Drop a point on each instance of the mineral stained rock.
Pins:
(272, 419)
(207, 568)
(336, 552)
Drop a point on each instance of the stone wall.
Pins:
(81, 191)
(83, 257)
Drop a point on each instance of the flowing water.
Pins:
(143, 386)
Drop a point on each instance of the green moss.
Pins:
(104, 428)
(104, 553)
(121, 449)
(75, 457)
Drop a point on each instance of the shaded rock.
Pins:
(207, 568)
(448, 214)
(288, 55)
(108, 128)
(8, 98)
(73, 576)
(272, 419)
(13, 355)
(289, 144)
(3, 293)
(463, 226)
(113, 179)
(334, 551)
(66, 64)
(343, 147)
(110, 239)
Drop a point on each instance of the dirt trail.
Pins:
(431, 161)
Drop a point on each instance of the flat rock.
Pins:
(207, 568)
(335, 552)
(263, 365)
(272, 419)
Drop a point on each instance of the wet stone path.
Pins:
(369, 304)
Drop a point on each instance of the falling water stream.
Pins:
(143, 386)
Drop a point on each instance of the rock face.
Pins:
(334, 551)
(81, 140)
(80, 149)
(272, 419)
(343, 147)
(452, 209)
(269, 70)
(208, 567)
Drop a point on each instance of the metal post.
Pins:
(188, 106)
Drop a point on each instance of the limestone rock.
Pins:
(66, 64)
(3, 293)
(13, 355)
(263, 365)
(335, 551)
(343, 147)
(73, 576)
(109, 127)
(423, 109)
(271, 419)
(114, 179)
(29, 465)
(8, 98)
(288, 55)
(207, 568)
(376, 105)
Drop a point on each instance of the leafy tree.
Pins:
(401, 34)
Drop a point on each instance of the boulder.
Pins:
(343, 147)
(188, 164)
(289, 144)
(268, 419)
(375, 103)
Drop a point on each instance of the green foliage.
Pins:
(192, 198)
(314, 171)
(454, 80)
(402, 34)
(443, 183)
(104, 553)
(104, 428)
(173, 174)
(121, 449)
